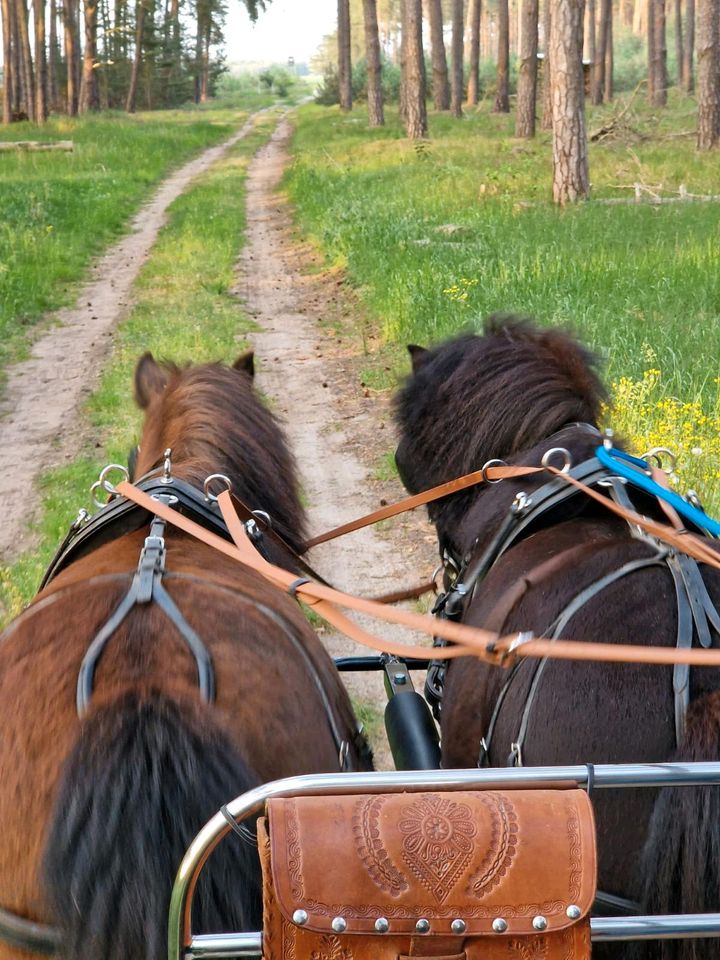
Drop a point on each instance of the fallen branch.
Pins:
(613, 122)
(34, 146)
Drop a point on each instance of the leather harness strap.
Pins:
(487, 474)
(471, 640)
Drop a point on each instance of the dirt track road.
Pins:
(40, 406)
(308, 353)
(305, 374)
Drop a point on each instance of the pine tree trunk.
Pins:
(376, 115)
(53, 59)
(69, 35)
(205, 75)
(570, 164)
(344, 56)
(609, 61)
(601, 46)
(473, 92)
(640, 18)
(403, 106)
(502, 94)
(546, 123)
(41, 106)
(679, 46)
(137, 59)
(89, 99)
(590, 37)
(527, 76)
(657, 54)
(457, 78)
(26, 64)
(688, 81)
(416, 109)
(17, 92)
(78, 61)
(440, 81)
(708, 73)
(6, 12)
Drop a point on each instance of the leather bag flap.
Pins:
(523, 857)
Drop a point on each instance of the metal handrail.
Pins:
(181, 941)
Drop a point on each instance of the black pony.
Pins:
(563, 565)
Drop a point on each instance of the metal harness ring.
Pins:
(491, 463)
(656, 454)
(567, 459)
(211, 497)
(103, 478)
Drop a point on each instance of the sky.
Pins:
(288, 28)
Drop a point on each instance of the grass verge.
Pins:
(439, 234)
(59, 210)
(184, 310)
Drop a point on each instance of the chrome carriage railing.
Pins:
(183, 944)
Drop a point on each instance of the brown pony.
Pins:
(97, 812)
(512, 394)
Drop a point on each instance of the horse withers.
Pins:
(106, 780)
(540, 558)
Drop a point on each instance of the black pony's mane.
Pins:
(215, 422)
(475, 398)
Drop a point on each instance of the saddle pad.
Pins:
(483, 875)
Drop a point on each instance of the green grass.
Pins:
(438, 235)
(183, 311)
(58, 210)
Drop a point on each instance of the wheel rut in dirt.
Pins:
(304, 373)
(40, 406)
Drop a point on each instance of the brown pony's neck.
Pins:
(213, 422)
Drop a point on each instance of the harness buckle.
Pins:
(152, 562)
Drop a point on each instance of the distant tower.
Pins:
(291, 64)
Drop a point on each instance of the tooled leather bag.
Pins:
(485, 875)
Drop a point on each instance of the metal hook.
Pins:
(167, 467)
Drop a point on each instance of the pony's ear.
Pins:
(418, 355)
(245, 363)
(150, 380)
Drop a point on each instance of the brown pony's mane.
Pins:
(214, 422)
(492, 396)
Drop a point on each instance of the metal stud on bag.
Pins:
(499, 925)
(339, 924)
(458, 926)
(539, 923)
(422, 926)
(300, 917)
(382, 925)
(573, 911)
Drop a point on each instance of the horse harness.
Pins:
(116, 519)
(697, 615)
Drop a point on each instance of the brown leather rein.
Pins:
(468, 641)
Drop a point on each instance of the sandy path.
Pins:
(295, 372)
(41, 402)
